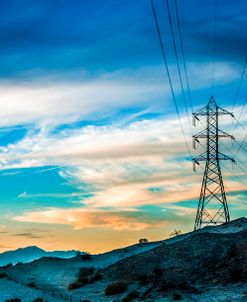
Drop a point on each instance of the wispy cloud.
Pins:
(28, 235)
(133, 220)
(125, 164)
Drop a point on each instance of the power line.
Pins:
(240, 115)
(241, 146)
(214, 41)
(244, 139)
(239, 123)
(168, 73)
(183, 54)
(236, 176)
(233, 192)
(240, 83)
(237, 159)
(177, 60)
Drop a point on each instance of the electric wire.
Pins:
(237, 160)
(162, 47)
(240, 116)
(241, 146)
(214, 41)
(177, 61)
(183, 53)
(229, 191)
(240, 83)
(236, 176)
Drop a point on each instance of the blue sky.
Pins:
(90, 142)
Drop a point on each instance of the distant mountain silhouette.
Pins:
(31, 253)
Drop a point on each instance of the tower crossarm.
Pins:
(204, 157)
(205, 112)
(204, 134)
(222, 156)
(222, 111)
(221, 133)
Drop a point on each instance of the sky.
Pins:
(92, 155)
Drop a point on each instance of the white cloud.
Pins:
(53, 100)
(119, 162)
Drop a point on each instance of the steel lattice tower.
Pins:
(212, 207)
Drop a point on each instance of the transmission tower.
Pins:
(212, 206)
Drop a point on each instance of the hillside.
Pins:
(206, 265)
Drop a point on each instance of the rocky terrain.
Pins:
(206, 265)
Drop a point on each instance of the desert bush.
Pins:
(3, 275)
(143, 240)
(86, 256)
(85, 276)
(74, 285)
(235, 275)
(232, 252)
(184, 285)
(85, 272)
(115, 288)
(134, 294)
(7, 265)
(97, 276)
(158, 272)
(143, 279)
(176, 233)
(78, 254)
(13, 300)
(19, 263)
(31, 284)
(164, 286)
(176, 297)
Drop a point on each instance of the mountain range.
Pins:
(31, 253)
(206, 265)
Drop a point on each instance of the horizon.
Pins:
(92, 154)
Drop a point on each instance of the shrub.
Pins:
(176, 297)
(3, 275)
(143, 279)
(232, 252)
(85, 272)
(176, 233)
(7, 266)
(74, 285)
(31, 284)
(158, 272)
(78, 254)
(164, 286)
(19, 263)
(13, 300)
(85, 276)
(134, 294)
(97, 276)
(115, 288)
(143, 240)
(235, 275)
(183, 285)
(86, 256)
